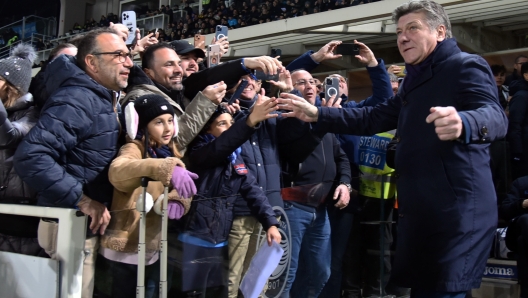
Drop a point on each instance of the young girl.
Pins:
(119, 244)
(215, 155)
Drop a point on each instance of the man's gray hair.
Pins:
(393, 78)
(434, 13)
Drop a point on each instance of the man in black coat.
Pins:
(518, 126)
(446, 113)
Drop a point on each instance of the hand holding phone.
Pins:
(213, 55)
(331, 88)
(347, 49)
(221, 31)
(199, 41)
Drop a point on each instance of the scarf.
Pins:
(156, 152)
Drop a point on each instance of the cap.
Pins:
(183, 47)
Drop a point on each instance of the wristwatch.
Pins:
(347, 185)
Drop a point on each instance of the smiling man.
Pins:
(65, 157)
(162, 74)
(447, 112)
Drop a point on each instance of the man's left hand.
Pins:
(342, 193)
(448, 124)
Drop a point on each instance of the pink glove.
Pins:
(175, 209)
(182, 181)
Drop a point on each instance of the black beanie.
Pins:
(151, 106)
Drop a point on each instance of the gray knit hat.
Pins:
(16, 69)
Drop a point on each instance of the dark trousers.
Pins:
(362, 265)
(119, 280)
(432, 294)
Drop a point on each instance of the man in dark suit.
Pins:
(446, 113)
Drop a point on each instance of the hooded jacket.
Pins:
(192, 115)
(69, 150)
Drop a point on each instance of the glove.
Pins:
(175, 210)
(182, 181)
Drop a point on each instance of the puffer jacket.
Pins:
(69, 150)
(220, 183)
(192, 115)
(21, 117)
(125, 175)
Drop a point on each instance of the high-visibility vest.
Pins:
(377, 176)
(205, 2)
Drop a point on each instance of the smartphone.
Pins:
(260, 75)
(199, 41)
(349, 49)
(331, 87)
(128, 18)
(238, 92)
(213, 55)
(276, 53)
(221, 31)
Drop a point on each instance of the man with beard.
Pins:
(162, 75)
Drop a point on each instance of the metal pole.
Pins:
(142, 247)
(382, 237)
(23, 28)
(164, 245)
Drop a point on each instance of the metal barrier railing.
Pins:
(70, 242)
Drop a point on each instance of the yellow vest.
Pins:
(205, 2)
(377, 177)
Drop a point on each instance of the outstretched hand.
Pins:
(365, 55)
(285, 82)
(262, 109)
(298, 107)
(327, 52)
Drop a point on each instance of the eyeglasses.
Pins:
(119, 54)
(304, 82)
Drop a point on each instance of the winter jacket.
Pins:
(518, 126)
(125, 174)
(447, 203)
(192, 115)
(323, 169)
(229, 72)
(220, 183)
(19, 119)
(289, 136)
(69, 150)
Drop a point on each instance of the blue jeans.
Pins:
(310, 244)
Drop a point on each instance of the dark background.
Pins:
(13, 10)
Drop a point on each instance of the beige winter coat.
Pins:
(125, 175)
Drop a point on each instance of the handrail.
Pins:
(70, 242)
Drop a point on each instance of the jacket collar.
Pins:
(424, 70)
(22, 103)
